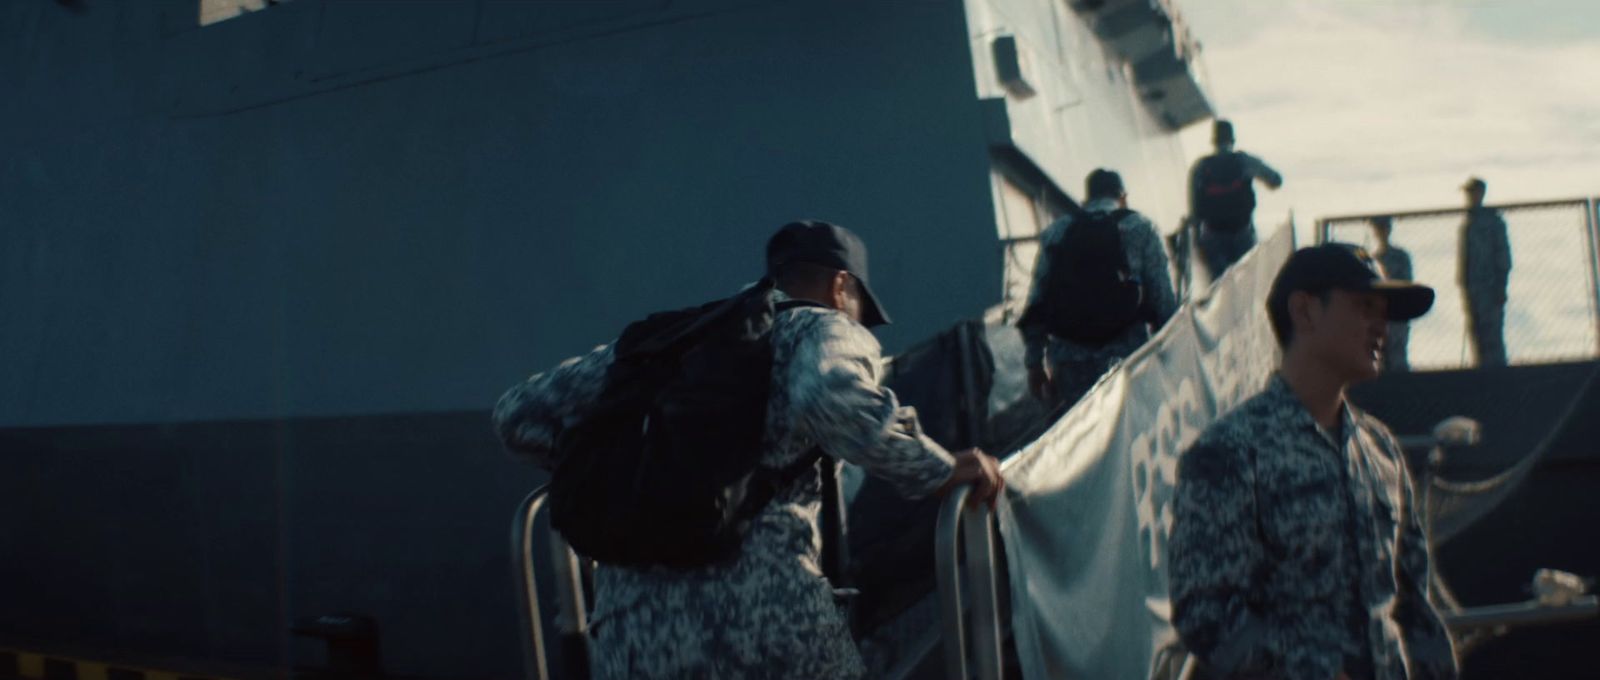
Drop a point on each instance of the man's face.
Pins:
(1474, 196)
(1347, 333)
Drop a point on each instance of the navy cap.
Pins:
(829, 245)
(1346, 267)
(1475, 184)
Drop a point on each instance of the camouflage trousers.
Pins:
(1072, 378)
(1220, 249)
(1486, 325)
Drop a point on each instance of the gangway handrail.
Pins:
(958, 518)
(1441, 212)
(535, 663)
(1522, 614)
(572, 615)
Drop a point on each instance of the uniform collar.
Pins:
(1279, 391)
(1100, 205)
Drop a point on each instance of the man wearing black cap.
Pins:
(769, 613)
(1062, 363)
(1222, 200)
(1297, 548)
(1485, 269)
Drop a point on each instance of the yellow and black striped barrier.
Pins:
(34, 666)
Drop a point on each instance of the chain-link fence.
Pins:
(1550, 301)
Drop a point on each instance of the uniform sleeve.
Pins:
(835, 400)
(1216, 554)
(1258, 169)
(1034, 336)
(1425, 636)
(1153, 272)
(530, 415)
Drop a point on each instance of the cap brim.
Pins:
(1407, 300)
(872, 313)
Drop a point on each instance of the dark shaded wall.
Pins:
(260, 281)
(207, 541)
(334, 208)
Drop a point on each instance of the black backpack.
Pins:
(1089, 295)
(1227, 194)
(665, 469)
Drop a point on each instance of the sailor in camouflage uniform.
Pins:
(1485, 269)
(1396, 264)
(770, 613)
(1297, 548)
(1221, 245)
(1073, 368)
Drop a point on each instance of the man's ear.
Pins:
(1301, 316)
(839, 290)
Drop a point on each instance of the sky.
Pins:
(1388, 105)
(1372, 106)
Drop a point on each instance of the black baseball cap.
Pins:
(829, 245)
(1346, 267)
(1103, 183)
(1475, 184)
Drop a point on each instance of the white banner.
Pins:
(1086, 526)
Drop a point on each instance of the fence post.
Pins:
(1590, 207)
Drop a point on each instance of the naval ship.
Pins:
(266, 266)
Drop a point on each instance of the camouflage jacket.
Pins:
(1147, 258)
(1299, 553)
(771, 613)
(1485, 258)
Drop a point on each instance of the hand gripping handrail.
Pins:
(977, 523)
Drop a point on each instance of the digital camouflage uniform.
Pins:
(770, 613)
(1297, 553)
(1075, 368)
(1485, 269)
(1396, 265)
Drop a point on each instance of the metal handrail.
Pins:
(1441, 212)
(1522, 614)
(572, 615)
(947, 567)
(535, 663)
(958, 519)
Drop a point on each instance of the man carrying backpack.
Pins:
(1222, 200)
(652, 443)
(1100, 288)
